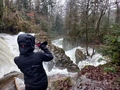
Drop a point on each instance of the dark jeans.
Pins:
(37, 88)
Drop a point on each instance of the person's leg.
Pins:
(42, 88)
(38, 88)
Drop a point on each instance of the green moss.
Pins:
(110, 69)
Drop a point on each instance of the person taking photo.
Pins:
(30, 62)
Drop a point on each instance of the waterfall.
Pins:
(9, 49)
(6, 58)
(94, 61)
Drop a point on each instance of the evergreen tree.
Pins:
(58, 25)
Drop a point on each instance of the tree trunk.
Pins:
(97, 33)
(1, 9)
(117, 12)
(86, 32)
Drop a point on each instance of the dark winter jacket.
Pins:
(30, 63)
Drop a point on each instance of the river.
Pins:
(9, 49)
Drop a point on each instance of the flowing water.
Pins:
(9, 49)
(94, 61)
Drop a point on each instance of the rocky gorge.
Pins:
(102, 77)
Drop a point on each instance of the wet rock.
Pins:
(79, 55)
(61, 60)
(72, 68)
(7, 82)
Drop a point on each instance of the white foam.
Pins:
(9, 49)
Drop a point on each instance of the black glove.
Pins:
(42, 45)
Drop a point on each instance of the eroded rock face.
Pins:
(79, 55)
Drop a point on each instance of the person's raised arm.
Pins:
(47, 55)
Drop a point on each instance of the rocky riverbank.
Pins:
(103, 77)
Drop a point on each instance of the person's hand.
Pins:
(42, 45)
(38, 44)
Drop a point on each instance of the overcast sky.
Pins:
(61, 1)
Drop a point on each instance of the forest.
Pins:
(92, 23)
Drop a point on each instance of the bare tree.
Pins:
(117, 11)
(72, 19)
(1, 9)
(102, 7)
(92, 12)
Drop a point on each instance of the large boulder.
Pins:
(79, 55)
(62, 61)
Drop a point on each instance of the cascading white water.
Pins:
(9, 49)
(6, 57)
(94, 61)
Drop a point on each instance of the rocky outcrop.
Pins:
(79, 55)
(8, 81)
(61, 60)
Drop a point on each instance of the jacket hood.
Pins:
(26, 43)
